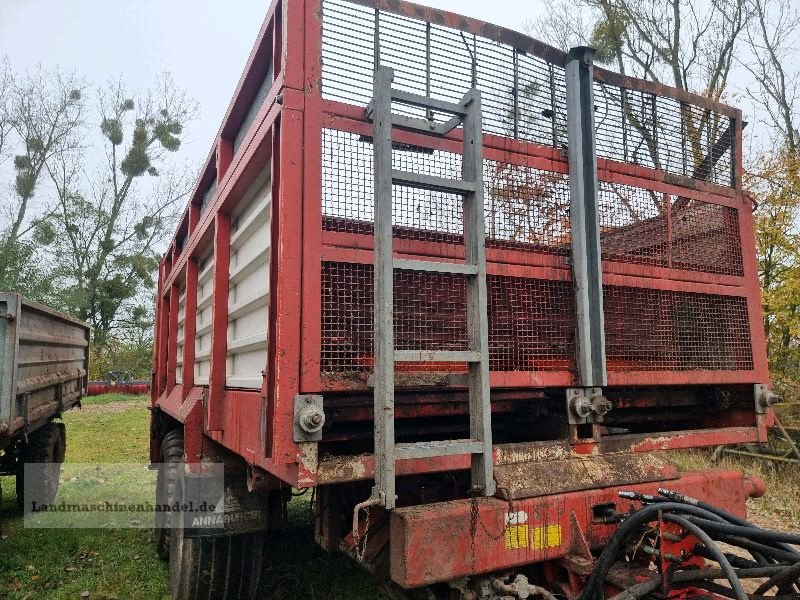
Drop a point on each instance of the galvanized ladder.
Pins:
(479, 444)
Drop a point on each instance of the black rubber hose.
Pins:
(751, 546)
(724, 592)
(785, 576)
(640, 590)
(731, 518)
(594, 583)
(593, 589)
(750, 532)
(701, 535)
(737, 562)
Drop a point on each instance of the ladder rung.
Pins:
(437, 356)
(421, 125)
(435, 266)
(410, 99)
(429, 182)
(438, 448)
(425, 126)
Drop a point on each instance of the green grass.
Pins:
(107, 398)
(783, 481)
(62, 563)
(121, 564)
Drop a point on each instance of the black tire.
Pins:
(208, 568)
(47, 445)
(171, 458)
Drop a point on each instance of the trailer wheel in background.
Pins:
(47, 445)
(171, 457)
(225, 567)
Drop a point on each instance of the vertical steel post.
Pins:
(384, 287)
(584, 220)
(480, 410)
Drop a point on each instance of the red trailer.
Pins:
(540, 275)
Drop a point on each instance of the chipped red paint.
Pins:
(418, 555)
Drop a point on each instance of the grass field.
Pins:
(121, 564)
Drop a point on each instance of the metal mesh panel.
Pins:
(706, 237)
(531, 324)
(523, 96)
(663, 133)
(524, 206)
(429, 314)
(531, 321)
(633, 227)
(347, 190)
(658, 330)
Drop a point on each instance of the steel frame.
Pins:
(286, 136)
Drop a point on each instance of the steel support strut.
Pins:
(584, 220)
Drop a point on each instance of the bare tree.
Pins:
(5, 126)
(110, 223)
(773, 39)
(681, 43)
(43, 113)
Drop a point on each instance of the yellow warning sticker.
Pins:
(516, 537)
(516, 533)
(545, 537)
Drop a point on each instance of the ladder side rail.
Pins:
(477, 309)
(384, 290)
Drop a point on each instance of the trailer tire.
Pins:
(225, 567)
(46, 445)
(171, 457)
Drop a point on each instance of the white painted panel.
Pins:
(205, 293)
(248, 297)
(181, 334)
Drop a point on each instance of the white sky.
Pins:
(204, 44)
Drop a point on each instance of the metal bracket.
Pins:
(309, 418)
(765, 398)
(587, 405)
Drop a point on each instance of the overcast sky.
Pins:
(204, 44)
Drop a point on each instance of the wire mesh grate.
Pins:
(525, 208)
(633, 224)
(663, 133)
(706, 237)
(523, 96)
(659, 330)
(531, 324)
(531, 321)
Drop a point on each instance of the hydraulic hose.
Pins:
(780, 578)
(752, 532)
(712, 547)
(774, 557)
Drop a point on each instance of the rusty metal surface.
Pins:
(530, 479)
(43, 365)
(444, 541)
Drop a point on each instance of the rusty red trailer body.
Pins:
(241, 331)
